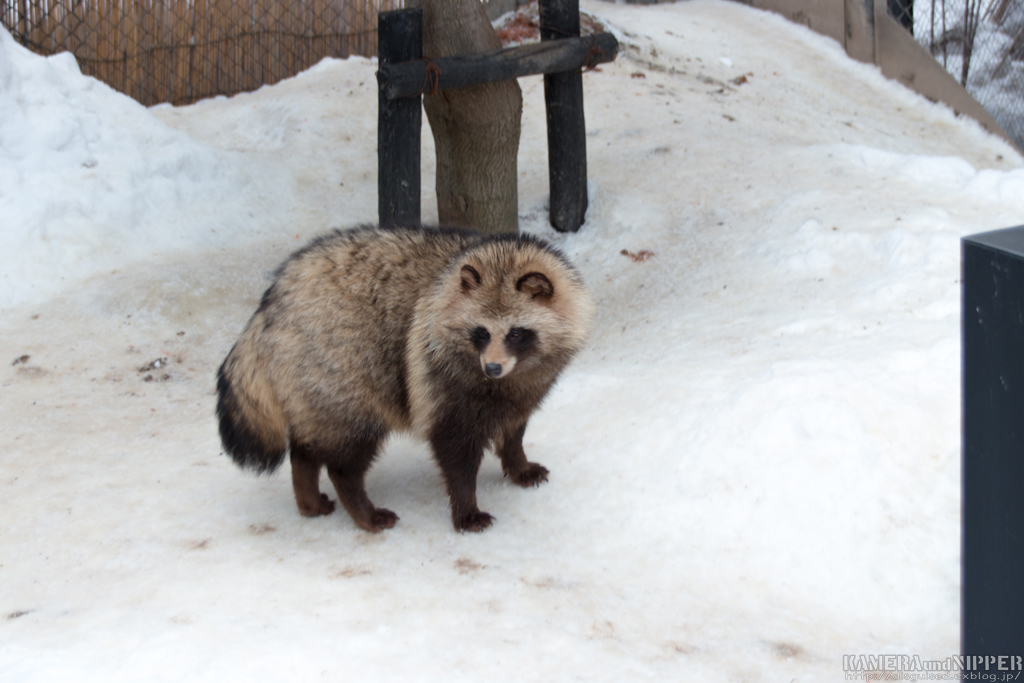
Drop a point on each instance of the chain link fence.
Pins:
(981, 44)
(180, 51)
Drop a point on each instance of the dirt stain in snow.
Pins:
(787, 650)
(464, 565)
(350, 573)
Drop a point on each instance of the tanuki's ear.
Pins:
(536, 285)
(470, 278)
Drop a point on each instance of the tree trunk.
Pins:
(476, 129)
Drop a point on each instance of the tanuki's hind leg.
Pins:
(306, 482)
(347, 471)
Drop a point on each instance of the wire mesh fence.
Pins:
(981, 44)
(180, 51)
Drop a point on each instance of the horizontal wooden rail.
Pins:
(409, 79)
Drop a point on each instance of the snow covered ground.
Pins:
(754, 465)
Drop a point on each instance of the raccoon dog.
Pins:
(445, 333)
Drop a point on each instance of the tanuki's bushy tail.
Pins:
(253, 426)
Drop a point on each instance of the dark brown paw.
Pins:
(474, 521)
(532, 475)
(384, 518)
(380, 519)
(325, 507)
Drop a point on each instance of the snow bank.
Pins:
(90, 180)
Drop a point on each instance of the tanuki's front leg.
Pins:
(459, 456)
(514, 462)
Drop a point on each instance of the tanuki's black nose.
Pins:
(492, 370)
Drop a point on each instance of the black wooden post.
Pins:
(400, 37)
(567, 135)
(403, 76)
(992, 541)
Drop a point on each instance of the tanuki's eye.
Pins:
(520, 340)
(480, 337)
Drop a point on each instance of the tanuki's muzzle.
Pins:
(496, 368)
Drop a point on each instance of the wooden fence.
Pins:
(180, 51)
